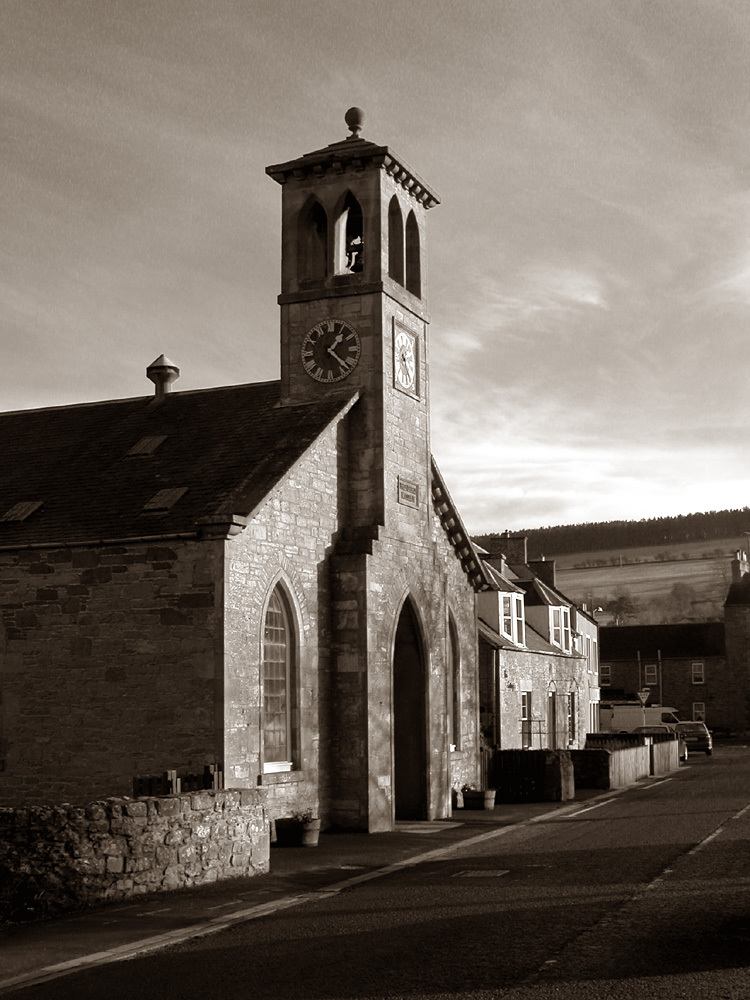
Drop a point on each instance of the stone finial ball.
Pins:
(355, 119)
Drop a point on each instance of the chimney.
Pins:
(544, 569)
(162, 373)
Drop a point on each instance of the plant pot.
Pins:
(479, 798)
(310, 833)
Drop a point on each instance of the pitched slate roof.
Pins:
(624, 642)
(739, 591)
(224, 448)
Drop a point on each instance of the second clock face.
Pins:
(330, 351)
(405, 361)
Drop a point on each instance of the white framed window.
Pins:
(560, 629)
(698, 671)
(512, 624)
(605, 675)
(556, 632)
(650, 674)
(699, 711)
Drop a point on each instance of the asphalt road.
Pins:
(646, 894)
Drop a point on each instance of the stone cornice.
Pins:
(355, 155)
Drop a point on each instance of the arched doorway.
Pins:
(409, 719)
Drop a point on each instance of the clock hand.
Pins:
(335, 343)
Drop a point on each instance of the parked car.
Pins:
(697, 736)
(652, 730)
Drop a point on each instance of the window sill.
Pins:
(458, 754)
(281, 778)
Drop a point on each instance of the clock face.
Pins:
(404, 361)
(330, 351)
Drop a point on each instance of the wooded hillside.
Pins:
(570, 538)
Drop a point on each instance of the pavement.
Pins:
(40, 952)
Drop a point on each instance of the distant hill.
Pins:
(655, 531)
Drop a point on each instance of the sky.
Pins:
(589, 263)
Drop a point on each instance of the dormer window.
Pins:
(512, 624)
(350, 237)
(560, 634)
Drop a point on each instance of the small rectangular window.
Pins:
(164, 500)
(650, 675)
(507, 616)
(566, 636)
(699, 711)
(21, 511)
(146, 446)
(605, 675)
(557, 626)
(699, 676)
(520, 629)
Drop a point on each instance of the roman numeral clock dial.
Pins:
(330, 351)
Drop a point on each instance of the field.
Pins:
(648, 574)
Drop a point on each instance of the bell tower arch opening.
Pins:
(312, 242)
(410, 756)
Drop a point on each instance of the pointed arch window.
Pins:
(395, 241)
(278, 684)
(313, 242)
(350, 237)
(413, 256)
(454, 691)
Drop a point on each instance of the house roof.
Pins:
(739, 591)
(625, 642)
(86, 472)
(535, 643)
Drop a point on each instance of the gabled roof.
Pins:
(222, 451)
(739, 592)
(625, 642)
(498, 581)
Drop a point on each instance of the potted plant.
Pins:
(478, 798)
(300, 830)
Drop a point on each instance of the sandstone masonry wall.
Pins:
(123, 847)
(110, 667)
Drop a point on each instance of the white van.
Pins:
(627, 717)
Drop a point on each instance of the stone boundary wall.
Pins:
(123, 847)
(601, 768)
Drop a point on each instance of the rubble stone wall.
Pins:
(121, 847)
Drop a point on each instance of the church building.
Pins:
(271, 579)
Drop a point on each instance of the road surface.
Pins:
(644, 894)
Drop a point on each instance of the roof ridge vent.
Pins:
(162, 373)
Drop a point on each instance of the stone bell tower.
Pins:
(353, 309)
(354, 319)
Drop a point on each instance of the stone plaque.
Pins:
(408, 492)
